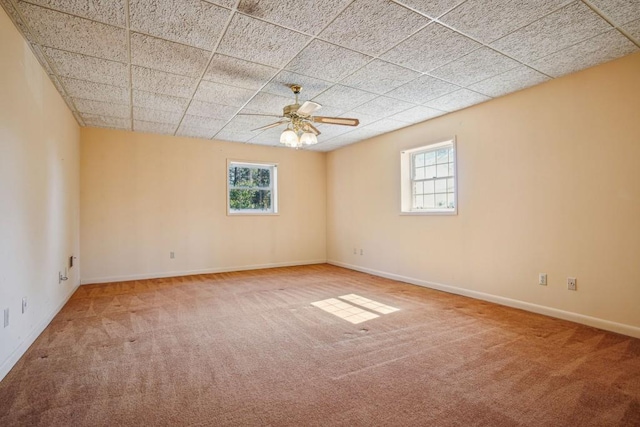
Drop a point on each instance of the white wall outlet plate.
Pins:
(572, 284)
(542, 279)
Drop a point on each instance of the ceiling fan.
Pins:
(299, 119)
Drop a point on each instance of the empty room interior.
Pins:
(328, 212)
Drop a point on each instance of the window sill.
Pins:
(252, 214)
(419, 213)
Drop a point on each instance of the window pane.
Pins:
(451, 170)
(443, 170)
(441, 185)
(419, 173)
(441, 201)
(430, 172)
(451, 201)
(262, 177)
(419, 160)
(428, 187)
(244, 199)
(430, 158)
(429, 202)
(450, 185)
(442, 156)
(419, 202)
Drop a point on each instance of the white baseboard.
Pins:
(109, 279)
(33, 335)
(621, 328)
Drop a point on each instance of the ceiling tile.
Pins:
(98, 108)
(307, 16)
(261, 42)
(192, 22)
(281, 85)
(343, 97)
(203, 122)
(88, 68)
(554, 32)
(238, 72)
(105, 121)
(152, 127)
(513, 80)
(158, 54)
(594, 51)
(340, 140)
(327, 61)
(195, 132)
(267, 103)
(432, 8)
(431, 48)
(73, 34)
(417, 114)
(383, 106)
(373, 26)
(380, 77)
(478, 65)
(16, 18)
(214, 111)
(95, 91)
(633, 28)
(269, 137)
(234, 135)
(158, 101)
(364, 118)
(487, 21)
(619, 11)
(457, 100)
(158, 116)
(222, 94)
(386, 125)
(106, 11)
(160, 82)
(242, 123)
(422, 89)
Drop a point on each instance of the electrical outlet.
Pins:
(172, 255)
(355, 251)
(361, 252)
(6, 317)
(542, 279)
(24, 305)
(572, 284)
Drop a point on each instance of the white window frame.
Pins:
(407, 179)
(273, 187)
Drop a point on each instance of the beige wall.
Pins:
(39, 195)
(549, 181)
(144, 196)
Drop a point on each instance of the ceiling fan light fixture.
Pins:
(308, 138)
(289, 138)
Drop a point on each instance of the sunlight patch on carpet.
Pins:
(350, 312)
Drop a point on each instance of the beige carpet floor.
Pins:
(248, 348)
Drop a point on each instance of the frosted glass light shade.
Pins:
(289, 138)
(308, 138)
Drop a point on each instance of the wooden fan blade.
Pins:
(269, 126)
(344, 121)
(308, 108)
(261, 115)
(314, 129)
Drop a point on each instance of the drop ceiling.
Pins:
(188, 67)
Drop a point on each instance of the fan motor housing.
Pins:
(290, 110)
